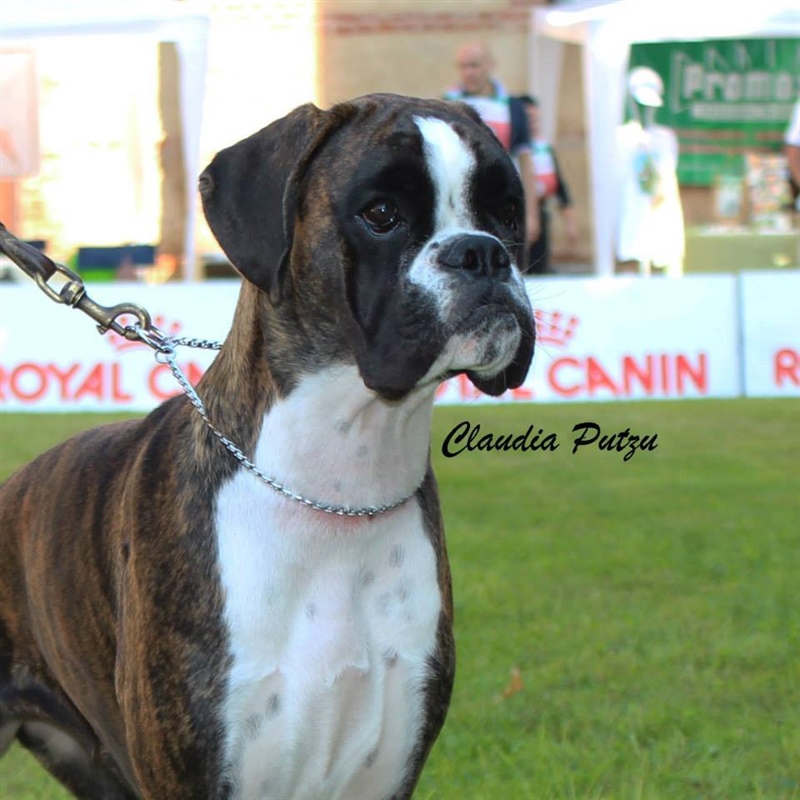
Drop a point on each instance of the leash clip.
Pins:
(107, 317)
(72, 293)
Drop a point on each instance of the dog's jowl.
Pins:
(173, 626)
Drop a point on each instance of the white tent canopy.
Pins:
(186, 24)
(606, 29)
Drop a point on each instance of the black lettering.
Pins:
(521, 442)
(606, 443)
(485, 442)
(632, 442)
(649, 442)
(582, 440)
(456, 436)
(550, 442)
(622, 439)
(503, 442)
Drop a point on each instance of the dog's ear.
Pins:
(250, 193)
(514, 374)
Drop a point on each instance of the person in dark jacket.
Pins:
(551, 188)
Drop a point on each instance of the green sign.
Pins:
(723, 98)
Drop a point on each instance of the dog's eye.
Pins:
(382, 216)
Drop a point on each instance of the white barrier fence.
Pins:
(599, 339)
(770, 331)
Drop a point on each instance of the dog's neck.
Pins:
(335, 441)
(237, 388)
(325, 436)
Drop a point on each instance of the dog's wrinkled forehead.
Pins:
(451, 164)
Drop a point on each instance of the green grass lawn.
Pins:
(650, 606)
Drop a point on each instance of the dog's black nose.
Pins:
(481, 256)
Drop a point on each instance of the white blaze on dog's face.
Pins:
(450, 164)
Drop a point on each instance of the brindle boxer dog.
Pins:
(170, 626)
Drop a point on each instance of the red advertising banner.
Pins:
(598, 340)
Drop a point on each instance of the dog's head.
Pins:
(397, 224)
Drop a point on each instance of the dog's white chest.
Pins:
(331, 623)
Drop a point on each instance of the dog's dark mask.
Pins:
(252, 194)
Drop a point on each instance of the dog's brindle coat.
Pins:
(172, 628)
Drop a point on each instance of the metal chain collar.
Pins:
(165, 354)
(72, 293)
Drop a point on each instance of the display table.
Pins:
(715, 250)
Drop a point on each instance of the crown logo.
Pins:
(555, 328)
(120, 344)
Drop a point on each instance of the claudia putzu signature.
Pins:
(467, 437)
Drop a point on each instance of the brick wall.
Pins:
(409, 46)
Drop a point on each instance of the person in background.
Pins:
(505, 116)
(550, 184)
(792, 148)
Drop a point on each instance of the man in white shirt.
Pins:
(478, 88)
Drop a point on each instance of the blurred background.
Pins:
(109, 110)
